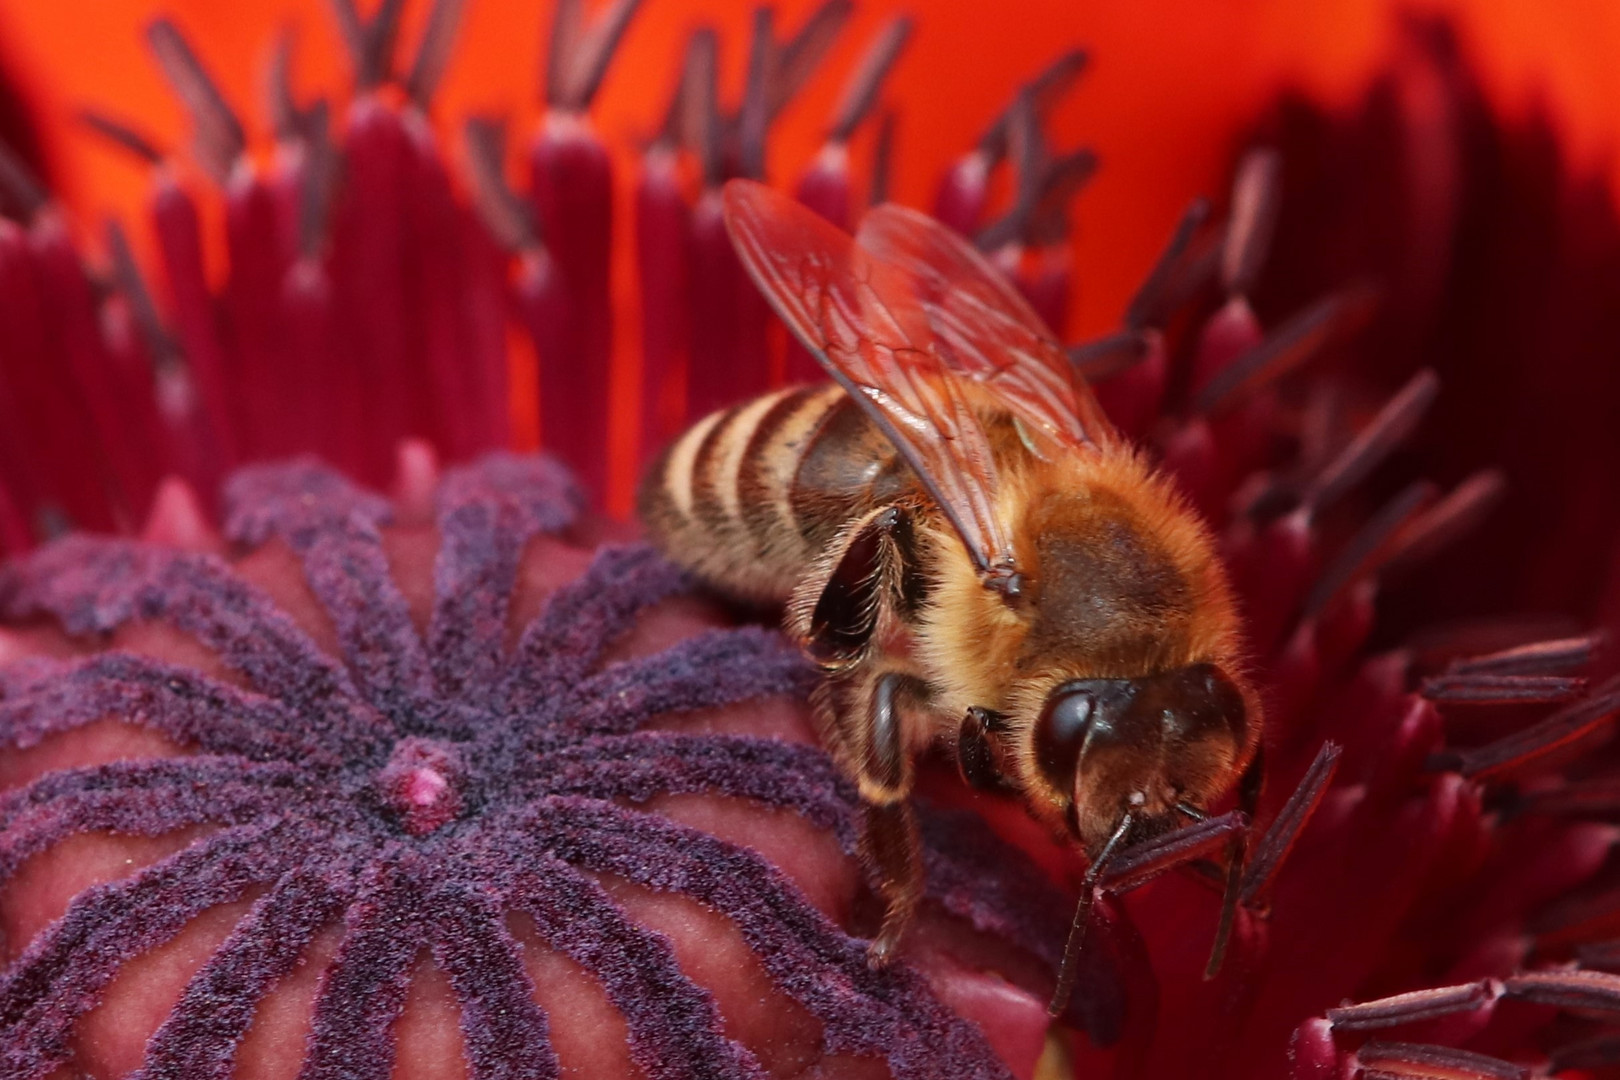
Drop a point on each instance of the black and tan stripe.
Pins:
(749, 495)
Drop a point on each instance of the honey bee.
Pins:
(968, 549)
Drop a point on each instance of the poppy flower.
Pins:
(299, 778)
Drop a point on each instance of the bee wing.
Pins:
(983, 328)
(862, 319)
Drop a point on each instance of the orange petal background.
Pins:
(1172, 80)
(1172, 83)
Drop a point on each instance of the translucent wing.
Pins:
(984, 330)
(862, 319)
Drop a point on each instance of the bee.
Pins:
(967, 548)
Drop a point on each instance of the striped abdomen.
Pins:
(750, 495)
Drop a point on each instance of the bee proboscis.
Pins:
(967, 548)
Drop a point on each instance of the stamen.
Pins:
(219, 141)
(567, 24)
(320, 180)
(1583, 991)
(1256, 199)
(20, 185)
(1065, 178)
(1580, 916)
(705, 127)
(963, 191)
(1150, 306)
(793, 62)
(1374, 443)
(286, 118)
(178, 232)
(754, 118)
(122, 135)
(1480, 688)
(1284, 832)
(1046, 187)
(877, 192)
(1524, 748)
(264, 388)
(1405, 1061)
(571, 189)
(1418, 1005)
(1107, 356)
(161, 347)
(1463, 510)
(1026, 148)
(591, 53)
(825, 185)
(1604, 955)
(861, 92)
(377, 59)
(505, 214)
(1361, 555)
(1285, 348)
(681, 124)
(1435, 647)
(433, 54)
(1597, 1052)
(1042, 92)
(1141, 863)
(352, 28)
(1597, 799)
(1537, 658)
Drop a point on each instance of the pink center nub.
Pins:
(420, 785)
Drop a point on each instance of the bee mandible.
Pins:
(966, 547)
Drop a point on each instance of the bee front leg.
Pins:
(889, 840)
(865, 586)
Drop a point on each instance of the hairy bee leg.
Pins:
(875, 572)
(889, 840)
(872, 579)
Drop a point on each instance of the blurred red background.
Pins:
(1172, 87)
(1171, 83)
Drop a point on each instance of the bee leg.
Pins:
(875, 571)
(889, 841)
(977, 756)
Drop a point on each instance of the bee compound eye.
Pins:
(1061, 731)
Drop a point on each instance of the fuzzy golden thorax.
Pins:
(1121, 583)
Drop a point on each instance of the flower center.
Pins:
(421, 785)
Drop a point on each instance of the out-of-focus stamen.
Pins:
(218, 139)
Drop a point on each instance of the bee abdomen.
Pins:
(721, 500)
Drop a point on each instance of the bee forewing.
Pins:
(983, 328)
(862, 318)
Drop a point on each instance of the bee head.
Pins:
(1142, 746)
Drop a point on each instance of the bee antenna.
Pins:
(1070, 970)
